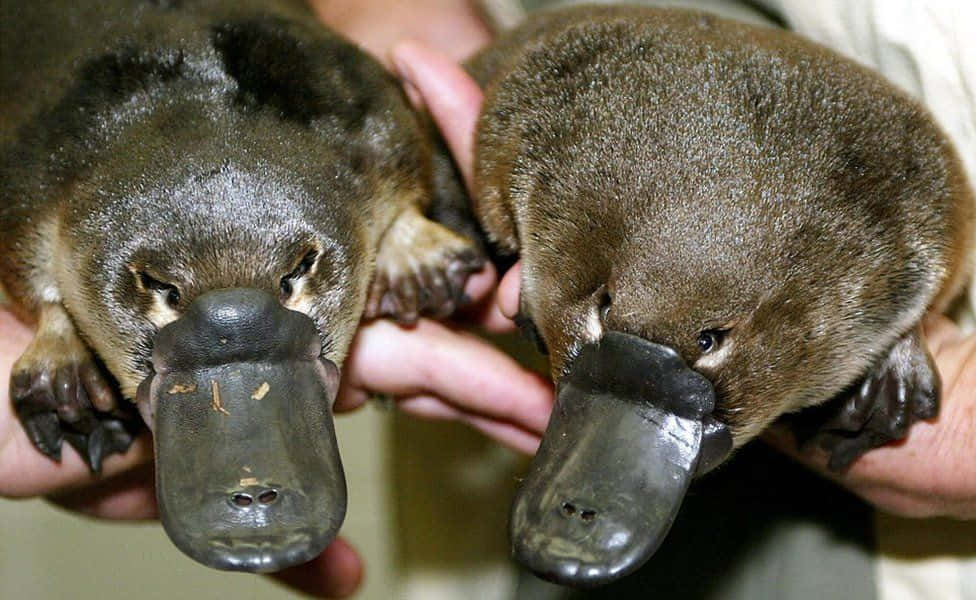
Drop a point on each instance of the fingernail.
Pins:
(401, 66)
(406, 74)
(413, 94)
(349, 399)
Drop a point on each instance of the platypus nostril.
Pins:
(241, 500)
(268, 496)
(571, 510)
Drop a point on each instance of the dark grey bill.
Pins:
(248, 475)
(631, 428)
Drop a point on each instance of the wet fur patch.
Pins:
(107, 81)
(273, 69)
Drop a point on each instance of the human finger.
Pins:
(497, 313)
(451, 96)
(483, 311)
(513, 436)
(464, 370)
(507, 293)
(336, 573)
(479, 288)
(939, 331)
(130, 495)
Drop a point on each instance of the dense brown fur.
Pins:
(156, 150)
(671, 174)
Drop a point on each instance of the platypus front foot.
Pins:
(421, 268)
(901, 389)
(60, 393)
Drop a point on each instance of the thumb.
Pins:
(336, 573)
(450, 94)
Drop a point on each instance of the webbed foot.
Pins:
(903, 388)
(421, 268)
(60, 393)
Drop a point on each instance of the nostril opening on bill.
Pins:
(571, 510)
(241, 499)
(268, 496)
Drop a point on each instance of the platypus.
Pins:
(719, 224)
(199, 201)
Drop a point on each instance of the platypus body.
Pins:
(199, 200)
(719, 224)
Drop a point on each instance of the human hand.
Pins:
(932, 472)
(454, 26)
(441, 371)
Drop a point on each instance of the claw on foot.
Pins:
(56, 409)
(421, 269)
(59, 393)
(903, 388)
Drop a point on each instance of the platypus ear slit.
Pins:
(305, 265)
(605, 303)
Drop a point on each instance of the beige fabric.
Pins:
(925, 559)
(504, 14)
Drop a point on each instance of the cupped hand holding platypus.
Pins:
(930, 473)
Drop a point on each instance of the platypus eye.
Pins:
(169, 291)
(711, 339)
(300, 270)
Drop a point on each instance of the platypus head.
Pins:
(217, 260)
(224, 304)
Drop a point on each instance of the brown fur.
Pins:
(665, 172)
